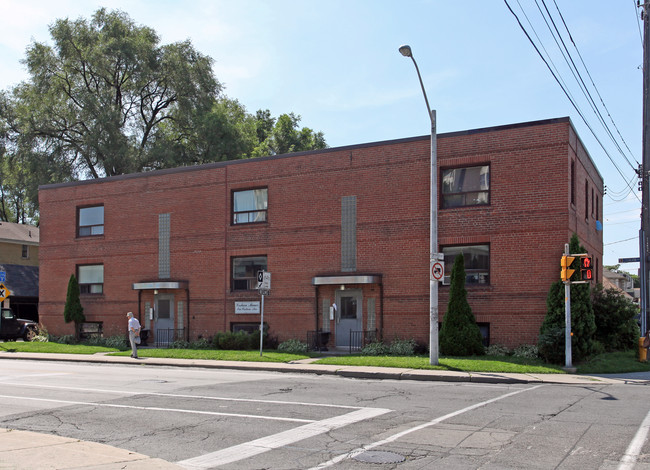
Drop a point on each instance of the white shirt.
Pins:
(134, 324)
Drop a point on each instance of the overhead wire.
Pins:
(564, 88)
(596, 89)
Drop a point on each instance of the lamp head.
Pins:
(405, 50)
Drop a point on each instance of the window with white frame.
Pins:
(90, 221)
(477, 262)
(244, 272)
(468, 186)
(249, 206)
(91, 278)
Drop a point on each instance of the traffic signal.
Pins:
(566, 263)
(586, 268)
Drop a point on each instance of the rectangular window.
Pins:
(249, 206)
(477, 262)
(244, 272)
(91, 278)
(25, 253)
(466, 186)
(90, 221)
(586, 199)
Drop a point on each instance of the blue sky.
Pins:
(336, 63)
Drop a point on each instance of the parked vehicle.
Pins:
(12, 328)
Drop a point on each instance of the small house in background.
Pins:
(622, 282)
(19, 258)
(343, 231)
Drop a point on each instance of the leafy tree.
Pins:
(583, 324)
(106, 98)
(459, 335)
(616, 327)
(284, 135)
(100, 95)
(73, 310)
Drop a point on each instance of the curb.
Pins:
(355, 372)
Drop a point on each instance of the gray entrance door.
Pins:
(348, 315)
(164, 319)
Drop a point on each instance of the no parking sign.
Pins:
(437, 270)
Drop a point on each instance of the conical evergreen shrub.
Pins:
(459, 335)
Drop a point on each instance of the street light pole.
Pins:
(433, 231)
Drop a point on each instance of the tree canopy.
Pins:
(107, 98)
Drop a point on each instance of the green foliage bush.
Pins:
(376, 348)
(528, 351)
(583, 324)
(498, 350)
(616, 327)
(459, 335)
(551, 344)
(73, 311)
(293, 346)
(402, 347)
(238, 341)
(40, 334)
(179, 344)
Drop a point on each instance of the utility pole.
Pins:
(645, 168)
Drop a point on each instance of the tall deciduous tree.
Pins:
(106, 92)
(106, 98)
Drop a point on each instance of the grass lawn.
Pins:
(609, 363)
(465, 364)
(216, 355)
(36, 347)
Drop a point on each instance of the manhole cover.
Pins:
(377, 456)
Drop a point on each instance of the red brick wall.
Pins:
(526, 225)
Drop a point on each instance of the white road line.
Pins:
(154, 408)
(394, 437)
(14, 377)
(275, 441)
(178, 395)
(634, 449)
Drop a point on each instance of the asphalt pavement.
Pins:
(28, 450)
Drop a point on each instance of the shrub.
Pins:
(293, 346)
(64, 339)
(498, 350)
(528, 351)
(551, 345)
(179, 344)
(117, 342)
(402, 347)
(237, 341)
(583, 324)
(40, 334)
(459, 335)
(616, 328)
(201, 343)
(376, 348)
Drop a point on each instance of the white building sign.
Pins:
(247, 307)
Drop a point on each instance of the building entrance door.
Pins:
(164, 319)
(348, 315)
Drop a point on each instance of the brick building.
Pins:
(347, 226)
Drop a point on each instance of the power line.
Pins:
(565, 89)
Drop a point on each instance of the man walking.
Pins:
(134, 334)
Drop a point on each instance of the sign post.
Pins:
(264, 287)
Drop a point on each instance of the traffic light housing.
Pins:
(565, 263)
(586, 268)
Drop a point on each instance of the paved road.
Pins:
(202, 418)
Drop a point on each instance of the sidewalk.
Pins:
(23, 450)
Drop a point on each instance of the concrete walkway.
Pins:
(23, 450)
